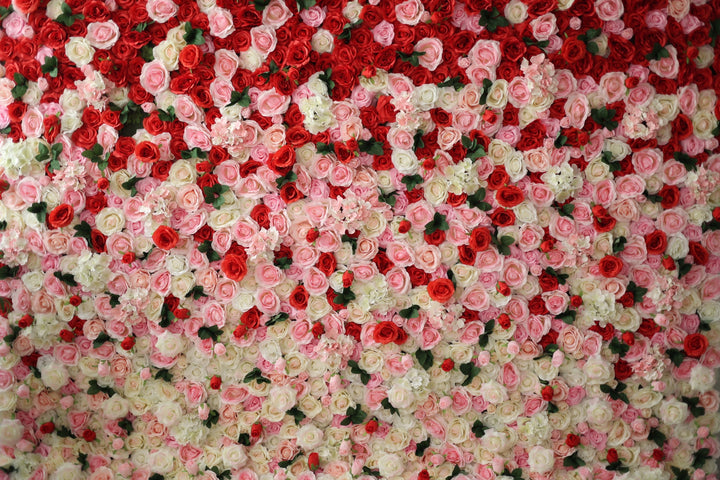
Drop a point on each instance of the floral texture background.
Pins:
(321, 239)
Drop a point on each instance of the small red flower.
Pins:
(182, 313)
(89, 435)
(447, 365)
(612, 456)
(313, 461)
(669, 263)
(128, 342)
(215, 382)
(25, 321)
(716, 210)
(658, 455)
(347, 279)
(695, 344)
(165, 237)
(576, 301)
(628, 338)
(405, 225)
(47, 427)
(423, 475)
(75, 300)
(103, 183)
(572, 440)
(504, 321)
(256, 430)
(312, 235)
(372, 426)
(547, 393)
(60, 216)
(240, 331)
(503, 289)
(317, 329)
(128, 258)
(67, 335)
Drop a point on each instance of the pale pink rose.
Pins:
(672, 221)
(160, 283)
(77, 420)
(225, 290)
(409, 12)
(221, 91)
(268, 275)
(465, 120)
(313, 16)
(32, 123)
(577, 109)
(419, 214)
(400, 254)
(399, 280)
(195, 393)
(647, 162)
(161, 10)
(486, 53)
(537, 327)
(427, 258)
(226, 63)
(154, 76)
(383, 33)
(475, 298)
(221, 22)
(67, 353)
(592, 342)
(197, 136)
(604, 192)
(510, 376)
(28, 189)
(566, 83)
(263, 39)
(103, 35)
(315, 281)
(687, 100)
(433, 49)
(518, 92)
(544, 26)
(214, 314)
(673, 172)
(186, 110)
(478, 73)
(14, 25)
(271, 103)
(489, 261)
(190, 197)
(341, 175)
(562, 228)
(276, 14)
(514, 272)
(641, 96)
(666, 67)
(400, 138)
(656, 19)
(612, 86)
(609, 10)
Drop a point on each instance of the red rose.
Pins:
(299, 298)
(260, 213)
(699, 253)
(190, 56)
(51, 126)
(576, 301)
(47, 427)
(128, 343)
(88, 435)
(447, 365)
(256, 430)
(548, 282)
(165, 237)
(417, 277)
(547, 393)
(504, 321)
(695, 344)
(441, 290)
(435, 238)
(670, 196)
(26, 6)
(537, 306)
(386, 110)
(612, 456)
(290, 193)
(326, 263)
(372, 426)
(498, 178)
(480, 239)
(502, 217)
(353, 330)
(610, 266)
(25, 321)
(509, 196)
(423, 475)
(466, 255)
(313, 461)
(385, 332)
(251, 318)
(623, 370)
(161, 169)
(572, 440)
(383, 262)
(573, 50)
(234, 267)
(656, 242)
(147, 152)
(215, 382)
(60, 216)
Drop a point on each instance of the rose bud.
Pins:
(612, 456)
(256, 430)
(25, 321)
(658, 455)
(547, 393)
(576, 301)
(669, 263)
(47, 427)
(67, 335)
(347, 279)
(88, 435)
(215, 382)
(504, 321)
(489, 116)
(692, 53)
(128, 342)
(312, 235)
(716, 212)
(447, 365)
(240, 331)
(546, 246)
(632, 82)
(128, 258)
(428, 164)
(628, 338)
(75, 300)
(103, 183)
(313, 461)
(182, 313)
(404, 226)
(369, 71)
(503, 289)
(317, 329)
(572, 440)
(372, 426)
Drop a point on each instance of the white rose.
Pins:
(170, 344)
(115, 407)
(400, 395)
(309, 437)
(678, 246)
(516, 11)
(79, 51)
(322, 41)
(709, 311)
(405, 161)
(110, 220)
(436, 191)
(283, 398)
(53, 374)
(161, 461)
(168, 413)
(233, 456)
(33, 281)
(390, 465)
(168, 54)
(702, 378)
(11, 431)
(672, 412)
(541, 459)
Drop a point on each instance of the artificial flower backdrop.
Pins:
(321, 239)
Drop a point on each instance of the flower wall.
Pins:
(321, 239)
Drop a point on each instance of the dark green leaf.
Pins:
(676, 356)
(371, 147)
(164, 374)
(212, 332)
(454, 82)
(7, 271)
(437, 223)
(412, 181)
(297, 415)
(66, 278)
(573, 461)
(40, 210)
(193, 36)
(478, 429)
(389, 198)
(388, 406)
(285, 179)
(412, 311)
(277, 318)
(240, 98)
(421, 447)
(425, 358)
(657, 436)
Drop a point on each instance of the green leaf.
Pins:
(325, 78)
(297, 415)
(193, 36)
(657, 52)
(676, 356)
(325, 148)
(285, 179)
(418, 141)
(477, 200)
(50, 66)
(355, 415)
(389, 198)
(388, 406)
(344, 298)
(694, 406)
(471, 370)
(213, 195)
(604, 117)
(82, 459)
(64, 432)
(412, 181)
(4, 12)
(355, 368)
(680, 474)
(305, 4)
(412, 58)
(567, 317)
(40, 210)
(66, 17)
(371, 147)
(492, 20)
(700, 457)
(287, 463)
(101, 339)
(114, 300)
(560, 141)
(212, 332)
(425, 358)
(126, 425)
(351, 240)
(618, 347)
(683, 268)
(567, 210)
(196, 292)
(240, 98)
(454, 82)
(166, 316)
(244, 439)
(206, 248)
(146, 53)
(478, 429)
(573, 461)
(657, 436)
(412, 311)
(688, 162)
(164, 374)
(255, 374)
(140, 27)
(260, 4)
(420, 447)
(7, 271)
(277, 318)
(437, 223)
(66, 278)
(487, 85)
(194, 153)
(12, 336)
(168, 115)
(212, 418)
(637, 292)
(130, 185)
(95, 389)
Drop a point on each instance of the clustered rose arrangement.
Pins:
(331, 239)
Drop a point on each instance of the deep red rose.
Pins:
(165, 237)
(572, 440)
(234, 267)
(547, 282)
(441, 290)
(128, 343)
(537, 306)
(47, 427)
(509, 196)
(670, 196)
(607, 332)
(417, 277)
(547, 393)
(498, 178)
(627, 300)
(513, 49)
(290, 193)
(385, 332)
(60, 216)
(353, 330)
(190, 56)
(299, 298)
(88, 435)
(260, 213)
(326, 263)
(161, 169)
(383, 262)
(386, 110)
(623, 370)
(612, 456)
(147, 152)
(251, 318)
(436, 238)
(610, 266)
(656, 242)
(699, 253)
(573, 50)
(85, 137)
(423, 475)
(502, 217)
(480, 239)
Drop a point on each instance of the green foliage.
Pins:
(492, 20)
(425, 358)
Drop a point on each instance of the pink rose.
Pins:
(263, 39)
(32, 123)
(161, 10)
(544, 26)
(409, 12)
(399, 280)
(485, 53)
(672, 221)
(103, 35)
(270, 103)
(197, 136)
(154, 77)
(383, 33)
(433, 49)
(475, 298)
(646, 162)
(609, 10)
(221, 22)
(276, 14)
